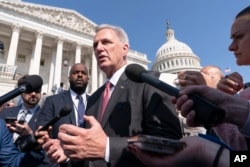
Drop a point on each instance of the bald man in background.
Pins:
(209, 75)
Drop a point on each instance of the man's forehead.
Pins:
(79, 69)
(105, 33)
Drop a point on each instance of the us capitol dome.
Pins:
(175, 56)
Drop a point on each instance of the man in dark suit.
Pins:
(132, 109)
(78, 79)
(27, 112)
(11, 156)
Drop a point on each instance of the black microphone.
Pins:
(29, 142)
(207, 113)
(29, 84)
(63, 112)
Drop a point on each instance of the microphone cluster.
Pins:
(29, 142)
(207, 113)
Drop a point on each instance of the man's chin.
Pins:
(33, 103)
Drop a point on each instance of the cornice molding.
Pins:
(65, 18)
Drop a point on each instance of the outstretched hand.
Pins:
(81, 143)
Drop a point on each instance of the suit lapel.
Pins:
(33, 121)
(94, 103)
(14, 112)
(116, 95)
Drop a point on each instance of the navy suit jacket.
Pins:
(51, 108)
(133, 108)
(13, 112)
(11, 156)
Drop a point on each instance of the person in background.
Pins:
(19, 100)
(233, 83)
(11, 156)
(60, 89)
(132, 109)
(78, 80)
(26, 114)
(213, 77)
(42, 100)
(27, 111)
(54, 89)
(209, 75)
(229, 133)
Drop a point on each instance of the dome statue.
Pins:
(175, 56)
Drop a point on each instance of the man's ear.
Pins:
(125, 48)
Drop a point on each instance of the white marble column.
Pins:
(36, 57)
(78, 53)
(52, 70)
(94, 77)
(87, 63)
(101, 78)
(13, 45)
(58, 62)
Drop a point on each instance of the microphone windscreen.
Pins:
(33, 83)
(65, 110)
(134, 71)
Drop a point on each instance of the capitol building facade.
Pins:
(47, 41)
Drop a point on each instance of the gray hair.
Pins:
(122, 35)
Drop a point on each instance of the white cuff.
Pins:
(107, 154)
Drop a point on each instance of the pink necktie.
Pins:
(105, 99)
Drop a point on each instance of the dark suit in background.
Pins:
(78, 79)
(51, 108)
(29, 101)
(13, 112)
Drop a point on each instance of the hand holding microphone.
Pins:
(29, 142)
(63, 112)
(206, 112)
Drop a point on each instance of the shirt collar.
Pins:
(32, 110)
(115, 77)
(73, 95)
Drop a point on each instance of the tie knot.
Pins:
(108, 85)
(25, 112)
(79, 97)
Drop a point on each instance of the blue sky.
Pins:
(203, 25)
